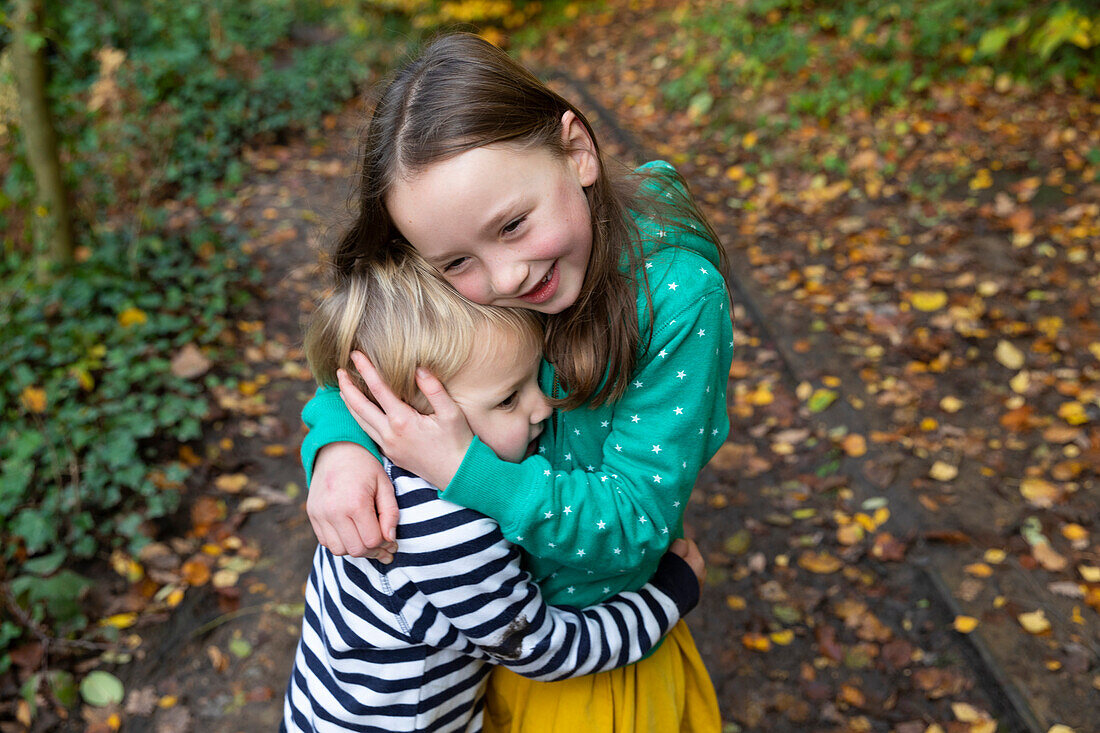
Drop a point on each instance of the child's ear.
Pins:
(579, 148)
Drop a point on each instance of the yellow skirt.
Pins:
(667, 692)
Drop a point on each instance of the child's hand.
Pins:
(351, 503)
(431, 446)
(689, 551)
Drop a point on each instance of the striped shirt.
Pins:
(407, 646)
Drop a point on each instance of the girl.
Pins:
(499, 184)
(406, 646)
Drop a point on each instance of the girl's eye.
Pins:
(513, 225)
(454, 264)
(508, 401)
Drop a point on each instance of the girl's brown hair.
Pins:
(463, 93)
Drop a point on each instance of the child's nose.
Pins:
(508, 277)
(542, 410)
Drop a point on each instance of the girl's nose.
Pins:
(507, 277)
(542, 410)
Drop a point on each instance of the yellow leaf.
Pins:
(1090, 573)
(782, 638)
(1021, 382)
(1059, 728)
(756, 642)
(979, 570)
(231, 483)
(33, 399)
(749, 141)
(131, 317)
(881, 515)
(1008, 355)
(736, 603)
(928, 300)
(275, 451)
(995, 555)
(760, 396)
(951, 404)
(126, 566)
(1039, 492)
(1034, 622)
(168, 701)
(225, 578)
(120, 620)
(174, 598)
(965, 624)
(735, 173)
(943, 471)
(981, 180)
(854, 445)
(819, 562)
(849, 534)
(1073, 413)
(114, 721)
(966, 713)
(195, 572)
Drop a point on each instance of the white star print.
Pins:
(675, 503)
(519, 538)
(547, 515)
(618, 448)
(604, 424)
(656, 479)
(542, 449)
(570, 589)
(567, 510)
(635, 418)
(702, 332)
(637, 384)
(702, 270)
(664, 530)
(568, 456)
(576, 431)
(678, 410)
(700, 431)
(643, 520)
(661, 234)
(603, 478)
(649, 265)
(589, 468)
(662, 353)
(714, 432)
(681, 374)
(546, 472)
(618, 551)
(580, 553)
(551, 544)
(672, 286)
(601, 524)
(606, 589)
(656, 449)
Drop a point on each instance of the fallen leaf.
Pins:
(132, 317)
(942, 471)
(1049, 558)
(1034, 622)
(100, 689)
(33, 399)
(951, 404)
(195, 572)
(854, 445)
(756, 642)
(928, 300)
(1008, 355)
(231, 483)
(819, 562)
(965, 624)
(1040, 492)
(189, 363)
(979, 570)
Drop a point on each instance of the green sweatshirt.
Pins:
(599, 504)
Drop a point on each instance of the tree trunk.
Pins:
(52, 219)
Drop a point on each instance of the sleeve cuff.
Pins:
(489, 485)
(329, 421)
(676, 579)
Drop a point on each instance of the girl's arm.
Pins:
(351, 503)
(472, 576)
(624, 508)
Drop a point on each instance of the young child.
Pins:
(499, 184)
(406, 646)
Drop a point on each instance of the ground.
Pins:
(901, 529)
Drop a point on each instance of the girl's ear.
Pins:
(579, 148)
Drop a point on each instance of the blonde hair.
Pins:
(400, 314)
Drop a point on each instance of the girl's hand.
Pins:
(688, 550)
(431, 446)
(351, 503)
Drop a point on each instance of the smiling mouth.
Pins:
(545, 288)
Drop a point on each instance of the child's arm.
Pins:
(351, 503)
(472, 576)
(628, 506)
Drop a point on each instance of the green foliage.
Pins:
(841, 55)
(89, 394)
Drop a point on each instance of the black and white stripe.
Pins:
(406, 646)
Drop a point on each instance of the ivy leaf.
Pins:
(100, 689)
